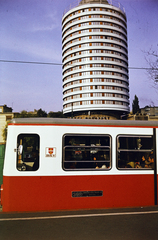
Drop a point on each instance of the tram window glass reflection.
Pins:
(91, 152)
(28, 152)
(135, 152)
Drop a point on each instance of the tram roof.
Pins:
(82, 122)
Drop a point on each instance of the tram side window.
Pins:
(135, 152)
(28, 152)
(89, 152)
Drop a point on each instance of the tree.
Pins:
(41, 113)
(152, 60)
(135, 105)
(23, 114)
(56, 114)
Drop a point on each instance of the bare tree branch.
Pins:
(152, 59)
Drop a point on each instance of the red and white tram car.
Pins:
(56, 164)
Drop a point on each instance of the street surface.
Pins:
(107, 224)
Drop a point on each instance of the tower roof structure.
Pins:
(93, 1)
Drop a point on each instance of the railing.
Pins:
(111, 2)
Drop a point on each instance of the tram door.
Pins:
(138, 152)
(155, 147)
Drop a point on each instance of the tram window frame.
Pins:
(89, 150)
(28, 151)
(141, 161)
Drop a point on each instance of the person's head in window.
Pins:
(35, 156)
(151, 161)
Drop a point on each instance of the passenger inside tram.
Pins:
(146, 162)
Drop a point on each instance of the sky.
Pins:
(30, 31)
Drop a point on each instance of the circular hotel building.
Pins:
(95, 60)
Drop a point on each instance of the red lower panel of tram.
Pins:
(46, 193)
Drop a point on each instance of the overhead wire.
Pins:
(16, 61)
(60, 64)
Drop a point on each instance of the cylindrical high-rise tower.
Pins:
(95, 60)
